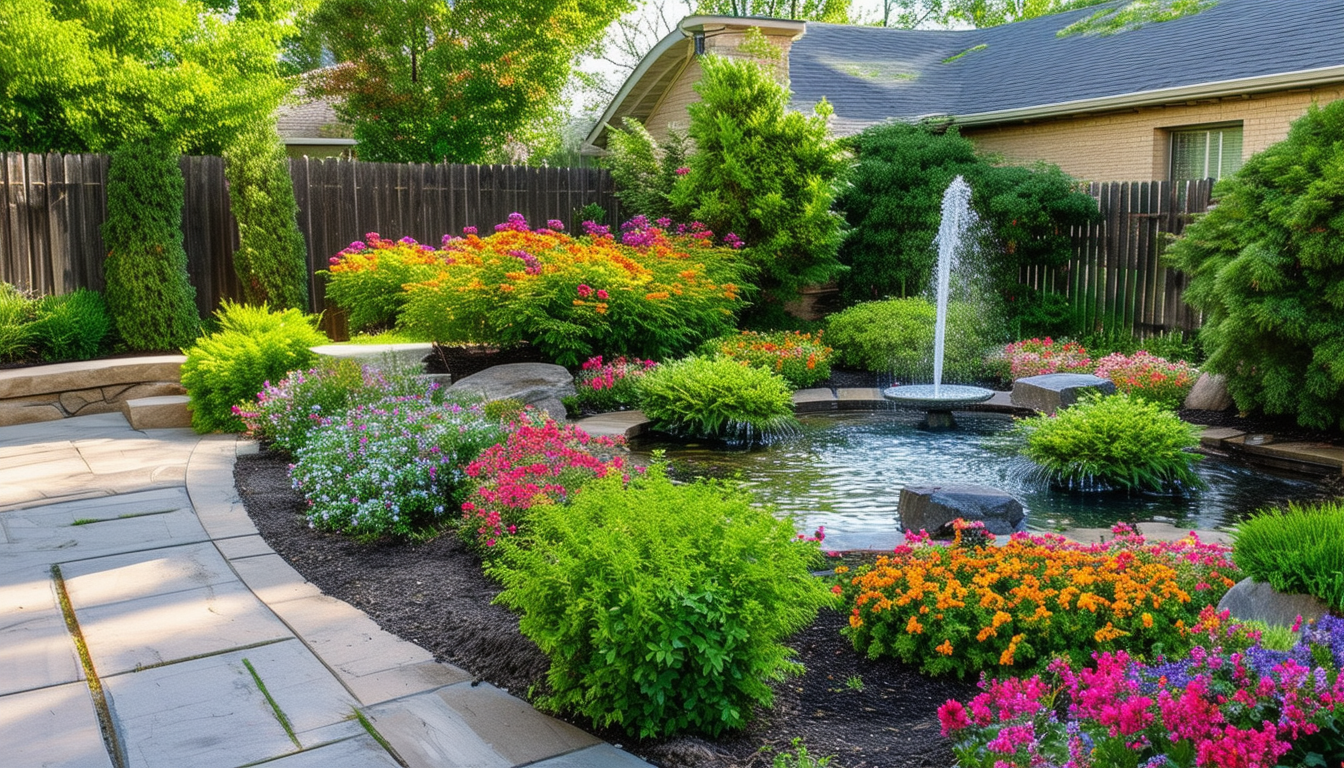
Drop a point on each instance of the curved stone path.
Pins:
(143, 622)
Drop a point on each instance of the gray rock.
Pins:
(1053, 391)
(1209, 394)
(537, 384)
(933, 507)
(1257, 601)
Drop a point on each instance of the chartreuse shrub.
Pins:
(152, 303)
(801, 358)
(286, 412)
(717, 398)
(662, 607)
(652, 292)
(1266, 268)
(72, 326)
(964, 608)
(1297, 550)
(896, 336)
(271, 260)
(392, 468)
(252, 346)
(1117, 441)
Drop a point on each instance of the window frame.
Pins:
(1173, 135)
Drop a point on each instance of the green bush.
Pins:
(16, 317)
(896, 336)
(801, 358)
(764, 172)
(661, 607)
(271, 260)
(252, 346)
(72, 326)
(1298, 550)
(643, 169)
(1266, 267)
(1114, 441)
(717, 397)
(151, 301)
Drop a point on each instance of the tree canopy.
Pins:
(426, 81)
(833, 11)
(85, 75)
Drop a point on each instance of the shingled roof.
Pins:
(871, 74)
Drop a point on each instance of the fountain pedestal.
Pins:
(937, 401)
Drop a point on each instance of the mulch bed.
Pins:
(868, 714)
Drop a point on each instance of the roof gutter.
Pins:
(317, 142)
(1301, 79)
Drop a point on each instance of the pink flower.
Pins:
(585, 291)
(602, 294)
(683, 170)
(952, 716)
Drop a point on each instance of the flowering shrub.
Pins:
(538, 464)
(285, 414)
(652, 290)
(602, 386)
(1035, 357)
(1114, 442)
(1148, 377)
(662, 608)
(801, 358)
(717, 398)
(391, 468)
(967, 608)
(1232, 704)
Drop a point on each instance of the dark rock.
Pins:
(1053, 391)
(538, 384)
(1250, 600)
(1209, 394)
(933, 507)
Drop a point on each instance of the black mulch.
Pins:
(869, 714)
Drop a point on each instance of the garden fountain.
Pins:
(936, 399)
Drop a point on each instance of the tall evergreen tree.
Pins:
(271, 261)
(152, 303)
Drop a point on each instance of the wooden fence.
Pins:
(1116, 278)
(53, 208)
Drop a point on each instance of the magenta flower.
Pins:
(555, 224)
(602, 294)
(585, 291)
(683, 170)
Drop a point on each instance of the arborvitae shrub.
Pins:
(1266, 267)
(271, 260)
(152, 303)
(643, 169)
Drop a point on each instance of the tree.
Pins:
(645, 171)
(425, 80)
(977, 13)
(1266, 267)
(85, 75)
(833, 11)
(151, 301)
(271, 261)
(765, 173)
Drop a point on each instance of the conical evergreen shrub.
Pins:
(152, 303)
(271, 261)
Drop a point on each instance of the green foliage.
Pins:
(1266, 267)
(16, 317)
(896, 336)
(894, 206)
(801, 358)
(271, 260)
(153, 305)
(87, 75)
(1272, 636)
(430, 81)
(1114, 441)
(72, 326)
(252, 346)
(593, 212)
(830, 11)
(798, 756)
(1135, 14)
(504, 411)
(717, 397)
(1298, 550)
(661, 607)
(765, 173)
(975, 13)
(644, 170)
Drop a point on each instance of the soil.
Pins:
(869, 714)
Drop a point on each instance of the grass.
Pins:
(275, 706)
(972, 49)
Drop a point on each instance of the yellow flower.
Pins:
(1147, 621)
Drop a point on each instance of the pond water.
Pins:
(846, 472)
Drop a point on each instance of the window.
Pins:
(1209, 152)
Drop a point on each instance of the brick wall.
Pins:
(1134, 145)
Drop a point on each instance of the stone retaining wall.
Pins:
(50, 392)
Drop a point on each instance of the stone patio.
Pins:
(143, 622)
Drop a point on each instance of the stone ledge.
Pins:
(51, 392)
(166, 412)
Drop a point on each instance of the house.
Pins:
(1181, 99)
(309, 127)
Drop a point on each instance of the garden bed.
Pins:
(435, 595)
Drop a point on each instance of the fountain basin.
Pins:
(948, 397)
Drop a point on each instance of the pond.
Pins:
(846, 472)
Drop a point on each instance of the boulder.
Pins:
(1250, 600)
(1052, 391)
(538, 384)
(1209, 394)
(933, 507)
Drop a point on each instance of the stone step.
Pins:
(162, 412)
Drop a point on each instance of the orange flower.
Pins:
(654, 296)
(945, 648)
(1147, 621)
(913, 627)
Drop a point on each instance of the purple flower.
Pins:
(468, 230)
(555, 224)
(663, 223)
(407, 241)
(594, 229)
(359, 245)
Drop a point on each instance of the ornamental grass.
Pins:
(965, 609)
